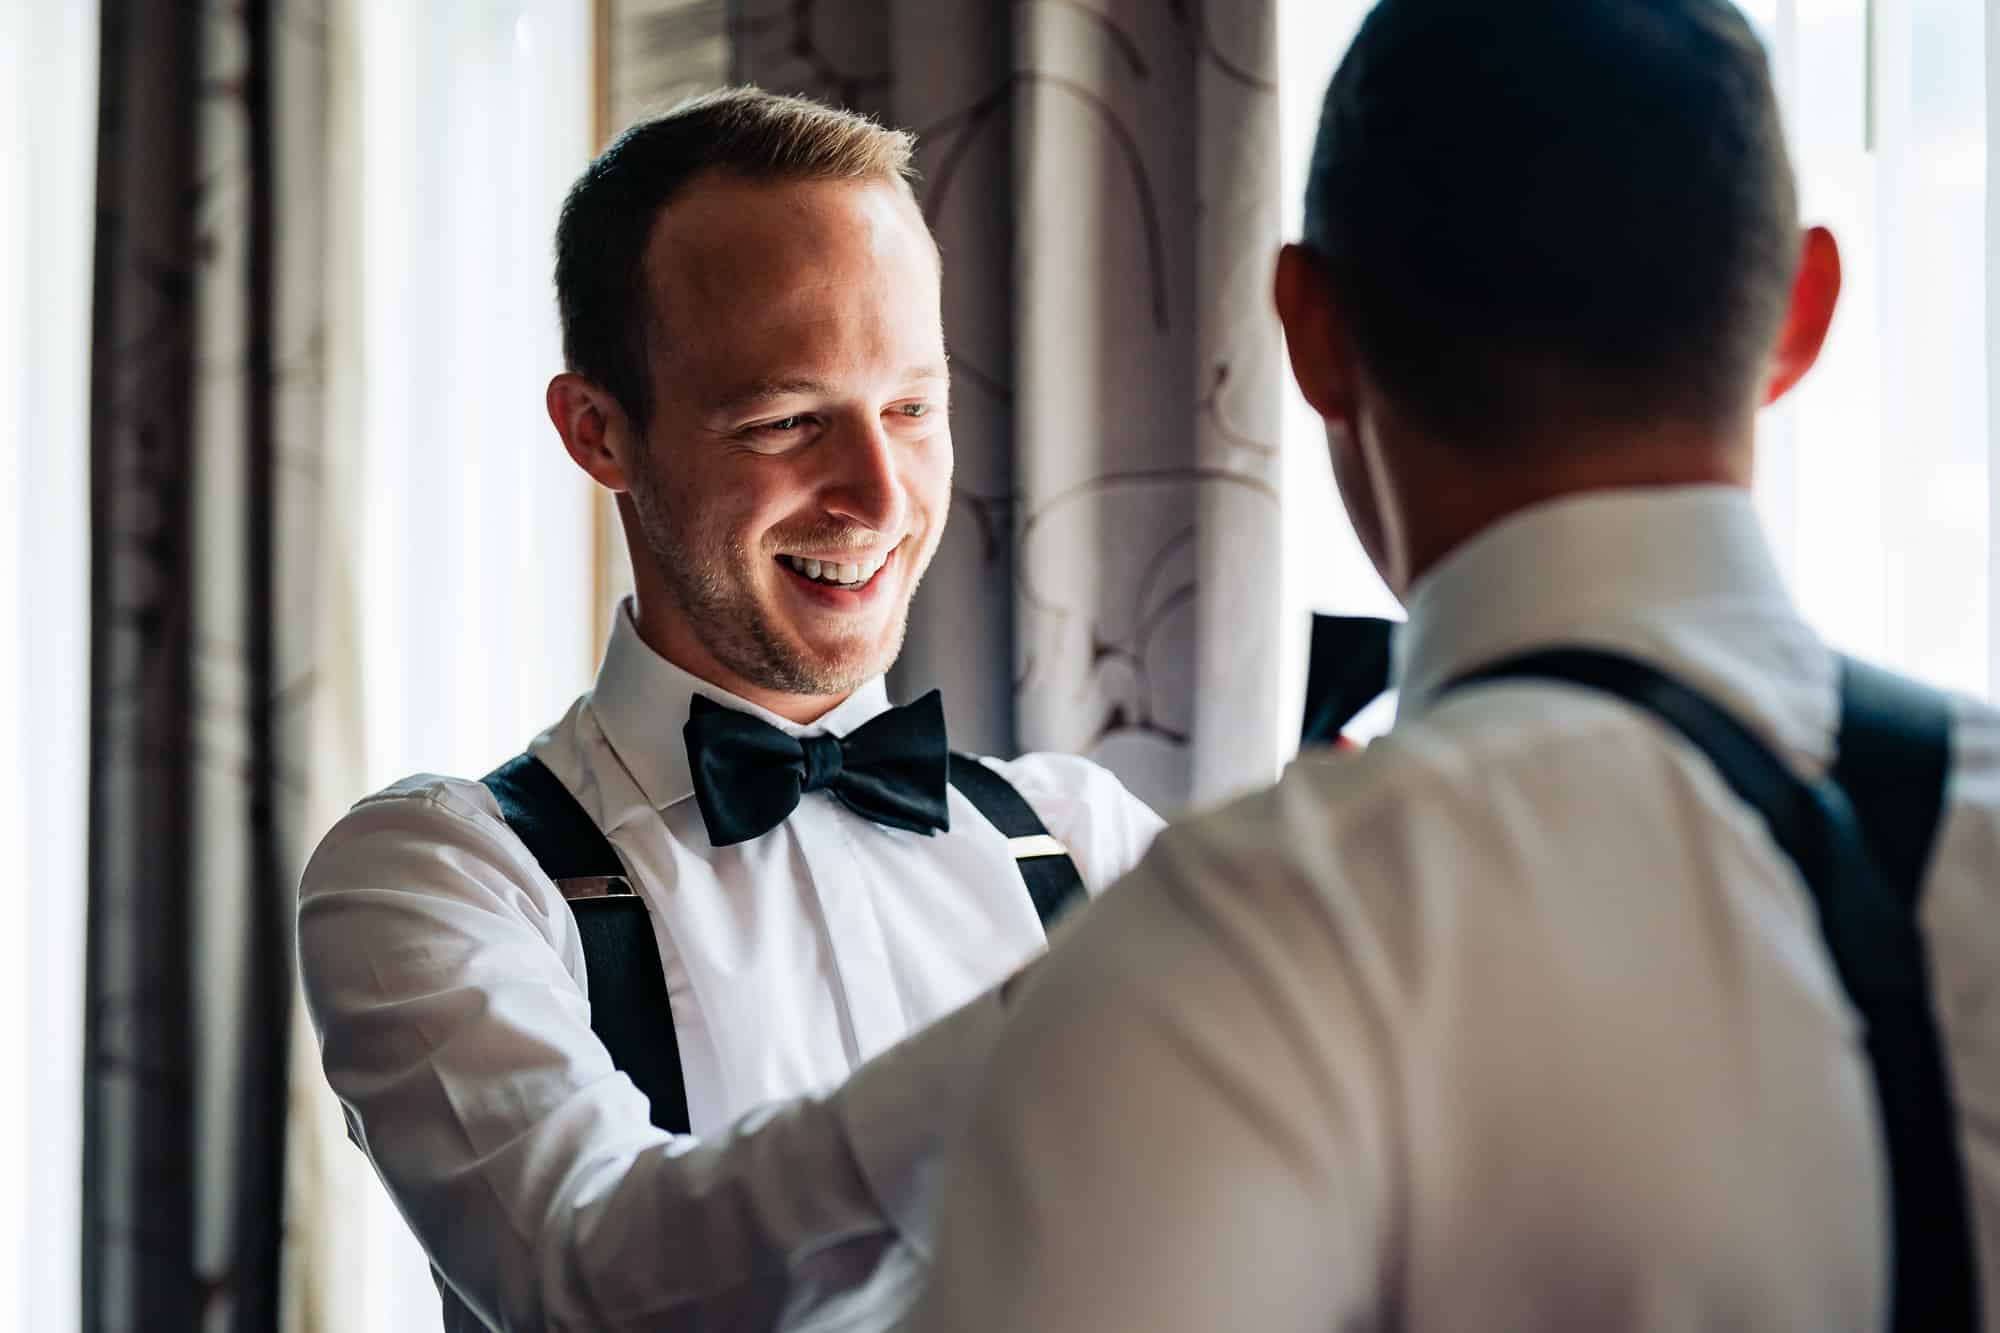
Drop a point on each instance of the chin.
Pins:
(835, 662)
(850, 664)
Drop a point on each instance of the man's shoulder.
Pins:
(1068, 788)
(425, 859)
(1087, 807)
(415, 830)
(1049, 775)
(447, 805)
(1463, 745)
(421, 797)
(1338, 819)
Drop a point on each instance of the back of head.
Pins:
(1540, 212)
(607, 219)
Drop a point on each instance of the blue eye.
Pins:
(915, 409)
(783, 424)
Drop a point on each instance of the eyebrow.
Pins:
(785, 386)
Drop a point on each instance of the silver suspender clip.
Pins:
(1027, 849)
(594, 886)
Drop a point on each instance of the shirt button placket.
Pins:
(828, 835)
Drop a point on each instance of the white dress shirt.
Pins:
(1516, 1020)
(446, 980)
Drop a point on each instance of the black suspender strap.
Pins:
(560, 834)
(1865, 913)
(629, 1009)
(1895, 754)
(1052, 878)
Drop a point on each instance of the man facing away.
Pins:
(750, 310)
(1521, 1019)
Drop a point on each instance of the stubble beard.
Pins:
(712, 582)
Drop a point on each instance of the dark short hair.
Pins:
(601, 289)
(1544, 206)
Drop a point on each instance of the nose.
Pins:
(865, 488)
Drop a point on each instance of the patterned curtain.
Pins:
(204, 384)
(1103, 179)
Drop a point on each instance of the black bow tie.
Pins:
(748, 775)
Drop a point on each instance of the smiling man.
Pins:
(618, 1026)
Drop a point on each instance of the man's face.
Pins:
(796, 473)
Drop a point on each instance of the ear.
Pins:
(1313, 334)
(594, 428)
(1814, 297)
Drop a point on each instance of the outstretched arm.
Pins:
(441, 972)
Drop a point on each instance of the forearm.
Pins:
(793, 1206)
(725, 1233)
(587, 1216)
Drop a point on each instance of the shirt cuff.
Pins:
(904, 1112)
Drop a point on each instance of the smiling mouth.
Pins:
(849, 576)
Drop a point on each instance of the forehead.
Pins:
(750, 278)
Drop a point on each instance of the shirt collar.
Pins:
(641, 702)
(1581, 569)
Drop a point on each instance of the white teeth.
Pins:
(836, 573)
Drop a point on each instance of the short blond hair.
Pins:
(608, 216)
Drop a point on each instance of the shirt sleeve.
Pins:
(1087, 809)
(441, 973)
(1185, 1125)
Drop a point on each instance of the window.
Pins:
(48, 82)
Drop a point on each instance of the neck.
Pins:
(1445, 494)
(662, 629)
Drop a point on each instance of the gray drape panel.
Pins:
(1104, 182)
(203, 438)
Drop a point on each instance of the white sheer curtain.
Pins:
(458, 595)
(1874, 476)
(48, 88)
